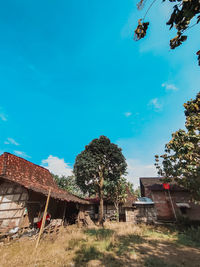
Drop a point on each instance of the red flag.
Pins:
(166, 186)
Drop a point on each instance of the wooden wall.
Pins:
(12, 204)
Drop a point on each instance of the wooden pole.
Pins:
(64, 212)
(43, 219)
(172, 205)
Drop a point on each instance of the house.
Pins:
(125, 209)
(171, 201)
(24, 187)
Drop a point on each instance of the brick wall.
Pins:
(164, 205)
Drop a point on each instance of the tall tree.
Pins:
(101, 162)
(116, 191)
(184, 11)
(181, 160)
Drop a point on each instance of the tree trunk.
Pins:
(101, 182)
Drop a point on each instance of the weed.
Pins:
(190, 237)
(157, 262)
(100, 234)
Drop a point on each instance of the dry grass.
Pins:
(117, 244)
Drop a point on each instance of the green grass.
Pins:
(117, 244)
(189, 237)
(100, 234)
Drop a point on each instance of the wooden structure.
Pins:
(24, 188)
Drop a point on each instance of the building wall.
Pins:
(129, 215)
(141, 214)
(109, 211)
(12, 205)
(163, 206)
(167, 210)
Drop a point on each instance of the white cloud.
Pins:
(57, 166)
(137, 169)
(21, 154)
(3, 116)
(128, 29)
(127, 114)
(155, 103)
(169, 86)
(11, 141)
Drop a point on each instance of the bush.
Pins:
(190, 236)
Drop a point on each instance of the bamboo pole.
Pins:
(64, 212)
(43, 219)
(172, 205)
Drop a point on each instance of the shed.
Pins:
(24, 187)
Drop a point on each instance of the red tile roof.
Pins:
(130, 199)
(33, 177)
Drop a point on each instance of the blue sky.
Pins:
(70, 72)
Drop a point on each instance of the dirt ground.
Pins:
(117, 244)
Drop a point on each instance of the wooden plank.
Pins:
(10, 194)
(10, 218)
(33, 202)
(11, 209)
(43, 219)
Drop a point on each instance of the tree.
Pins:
(130, 187)
(181, 160)
(184, 11)
(116, 191)
(69, 184)
(137, 192)
(101, 162)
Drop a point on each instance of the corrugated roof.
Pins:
(156, 184)
(151, 180)
(33, 177)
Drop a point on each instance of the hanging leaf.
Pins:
(141, 30)
(178, 40)
(140, 5)
(198, 58)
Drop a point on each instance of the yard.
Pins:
(117, 244)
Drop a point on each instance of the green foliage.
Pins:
(100, 158)
(184, 11)
(190, 237)
(100, 234)
(137, 192)
(130, 187)
(116, 192)
(182, 154)
(68, 184)
(100, 164)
